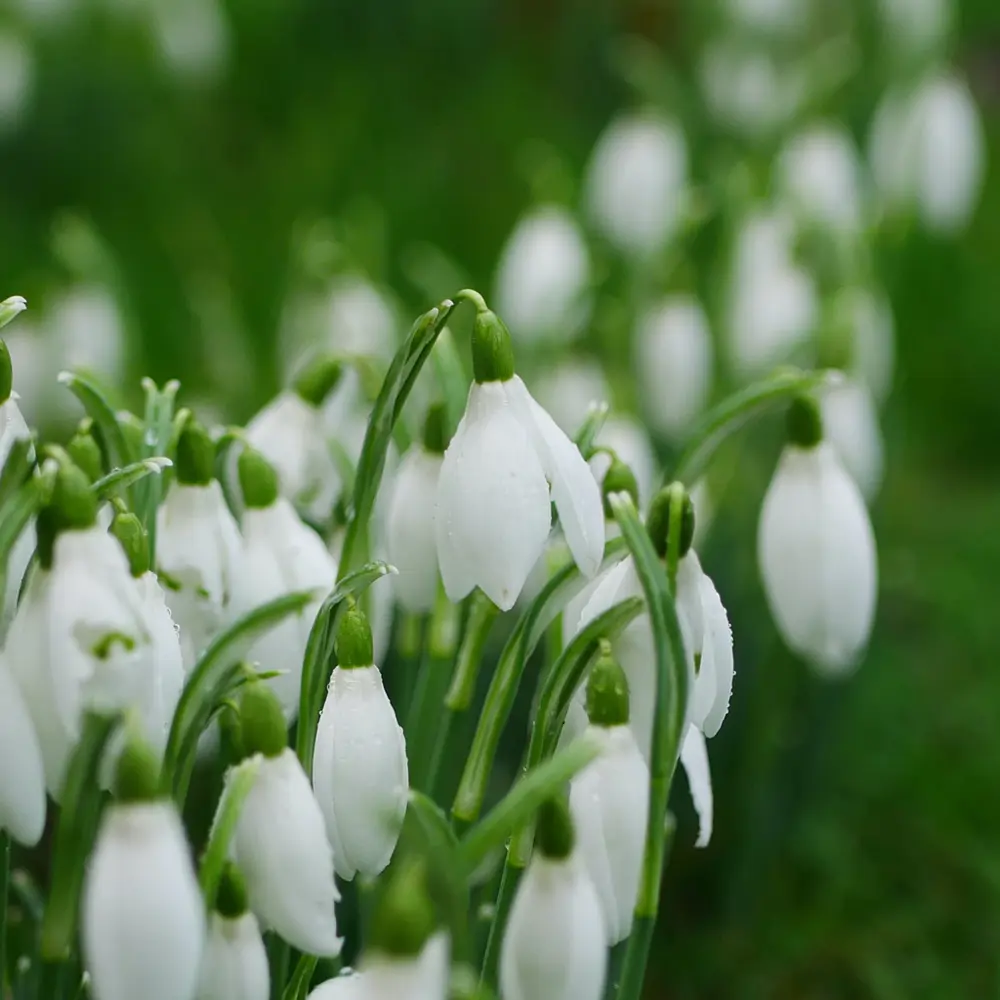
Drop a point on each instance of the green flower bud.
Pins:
(404, 917)
(128, 529)
(658, 522)
(231, 896)
(353, 643)
(195, 462)
(133, 430)
(262, 722)
(318, 380)
(73, 502)
(436, 436)
(12, 306)
(258, 480)
(6, 371)
(85, 451)
(607, 692)
(618, 479)
(554, 834)
(137, 773)
(803, 422)
(492, 350)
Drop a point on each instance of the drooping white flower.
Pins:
(568, 390)
(359, 318)
(280, 555)
(554, 946)
(348, 985)
(401, 977)
(360, 774)
(673, 360)
(143, 915)
(506, 464)
(22, 777)
(86, 322)
(542, 276)
(280, 843)
(817, 551)
(927, 152)
(636, 180)
(850, 420)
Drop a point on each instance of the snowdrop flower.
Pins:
(289, 433)
(79, 638)
(89, 330)
(360, 775)
(542, 276)
(198, 545)
(609, 799)
(636, 180)
(673, 363)
(555, 943)
(410, 530)
(86, 453)
(280, 555)
(816, 549)
(234, 963)
(348, 985)
(819, 172)
(927, 152)
(850, 420)
(280, 843)
(11, 307)
(22, 777)
(505, 465)
(143, 915)
(360, 319)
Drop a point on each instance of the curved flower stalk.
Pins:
(143, 916)
(80, 638)
(22, 777)
(198, 545)
(542, 276)
(360, 775)
(554, 946)
(280, 843)
(816, 549)
(505, 465)
(280, 555)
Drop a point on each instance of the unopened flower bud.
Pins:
(318, 380)
(804, 423)
(128, 529)
(262, 722)
(72, 506)
(195, 462)
(353, 643)
(492, 350)
(404, 919)
(85, 451)
(658, 522)
(607, 692)
(137, 773)
(231, 896)
(554, 832)
(258, 480)
(618, 479)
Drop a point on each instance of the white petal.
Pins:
(360, 772)
(492, 516)
(574, 490)
(850, 422)
(716, 657)
(22, 777)
(347, 986)
(234, 962)
(554, 946)
(280, 845)
(609, 800)
(424, 977)
(143, 917)
(694, 757)
(410, 535)
(817, 558)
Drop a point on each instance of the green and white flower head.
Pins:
(629, 440)
(506, 464)
(234, 962)
(609, 799)
(636, 181)
(816, 549)
(143, 915)
(410, 539)
(22, 776)
(289, 433)
(542, 276)
(280, 843)
(280, 555)
(360, 773)
(79, 639)
(198, 547)
(555, 943)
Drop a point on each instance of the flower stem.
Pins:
(214, 859)
(512, 873)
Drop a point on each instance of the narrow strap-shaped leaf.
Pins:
(116, 447)
(298, 985)
(213, 861)
(17, 468)
(590, 428)
(120, 479)
(452, 377)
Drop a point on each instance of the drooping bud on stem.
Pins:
(195, 462)
(353, 643)
(231, 896)
(554, 834)
(803, 422)
(85, 451)
(607, 691)
(128, 529)
(72, 506)
(258, 480)
(658, 522)
(404, 919)
(618, 479)
(492, 350)
(318, 380)
(262, 722)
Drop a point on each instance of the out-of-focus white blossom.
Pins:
(568, 390)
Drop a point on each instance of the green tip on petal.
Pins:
(404, 916)
(137, 773)
(262, 722)
(554, 834)
(618, 479)
(658, 522)
(85, 451)
(436, 436)
(258, 480)
(353, 642)
(318, 380)
(6, 373)
(607, 692)
(492, 349)
(803, 422)
(195, 462)
(231, 896)
(128, 529)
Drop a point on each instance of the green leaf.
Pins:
(298, 985)
(120, 479)
(318, 662)
(590, 428)
(17, 468)
(106, 426)
(238, 785)
(157, 440)
(452, 377)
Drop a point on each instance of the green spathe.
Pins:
(318, 380)
(85, 451)
(262, 722)
(404, 918)
(492, 350)
(195, 462)
(554, 833)
(128, 529)
(436, 434)
(607, 692)
(353, 643)
(803, 422)
(258, 480)
(231, 896)
(618, 479)
(658, 522)
(137, 773)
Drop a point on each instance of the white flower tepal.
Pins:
(22, 777)
(234, 963)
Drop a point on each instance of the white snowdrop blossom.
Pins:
(542, 276)
(234, 962)
(88, 329)
(568, 391)
(673, 360)
(391, 977)
(22, 777)
(349, 985)
(850, 419)
(636, 180)
(143, 915)
(927, 152)
(817, 557)
(359, 318)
